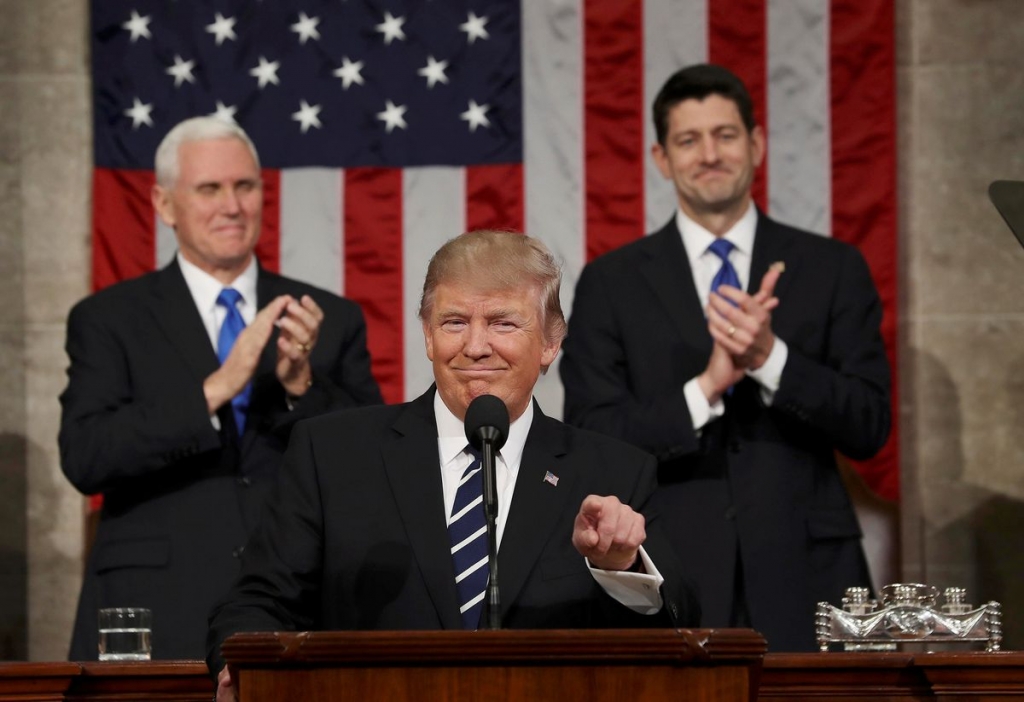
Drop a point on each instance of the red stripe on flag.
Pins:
(737, 40)
(268, 248)
(123, 225)
(613, 114)
(494, 197)
(373, 268)
(862, 38)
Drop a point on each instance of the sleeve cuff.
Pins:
(769, 375)
(640, 592)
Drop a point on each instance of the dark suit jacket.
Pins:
(357, 538)
(179, 496)
(760, 482)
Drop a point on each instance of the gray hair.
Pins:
(493, 260)
(195, 129)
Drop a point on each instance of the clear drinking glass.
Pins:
(125, 634)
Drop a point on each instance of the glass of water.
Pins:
(125, 634)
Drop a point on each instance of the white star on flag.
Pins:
(307, 115)
(138, 26)
(266, 72)
(306, 28)
(392, 116)
(474, 27)
(476, 115)
(139, 113)
(434, 71)
(182, 71)
(225, 112)
(222, 28)
(391, 28)
(349, 72)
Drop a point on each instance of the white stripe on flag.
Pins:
(553, 148)
(675, 36)
(312, 226)
(799, 135)
(433, 211)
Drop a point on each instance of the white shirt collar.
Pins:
(205, 288)
(451, 434)
(697, 239)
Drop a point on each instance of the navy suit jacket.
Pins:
(180, 497)
(758, 486)
(356, 538)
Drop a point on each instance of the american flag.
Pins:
(385, 127)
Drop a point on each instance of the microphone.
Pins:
(487, 429)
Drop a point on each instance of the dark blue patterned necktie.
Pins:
(230, 328)
(468, 532)
(726, 275)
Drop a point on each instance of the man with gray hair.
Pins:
(183, 388)
(366, 529)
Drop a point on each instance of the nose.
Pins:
(708, 150)
(477, 342)
(230, 202)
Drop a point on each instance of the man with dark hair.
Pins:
(183, 388)
(366, 531)
(743, 353)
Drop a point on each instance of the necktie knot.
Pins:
(229, 297)
(721, 248)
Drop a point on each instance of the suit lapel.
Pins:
(267, 288)
(537, 506)
(666, 269)
(414, 473)
(176, 315)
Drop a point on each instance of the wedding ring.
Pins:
(305, 347)
(732, 330)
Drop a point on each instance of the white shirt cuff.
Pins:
(641, 592)
(701, 411)
(769, 375)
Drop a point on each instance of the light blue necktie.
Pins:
(726, 275)
(468, 533)
(229, 330)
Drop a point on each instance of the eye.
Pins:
(505, 325)
(453, 324)
(246, 186)
(207, 189)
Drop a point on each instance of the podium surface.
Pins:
(537, 665)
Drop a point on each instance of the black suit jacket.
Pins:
(179, 496)
(357, 538)
(760, 482)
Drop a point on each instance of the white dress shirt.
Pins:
(704, 265)
(638, 591)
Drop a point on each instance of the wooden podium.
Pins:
(536, 665)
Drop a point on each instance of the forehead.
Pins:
(467, 297)
(215, 160)
(711, 112)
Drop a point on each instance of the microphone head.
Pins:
(487, 420)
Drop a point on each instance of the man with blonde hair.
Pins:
(183, 387)
(362, 532)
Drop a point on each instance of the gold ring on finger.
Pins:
(304, 347)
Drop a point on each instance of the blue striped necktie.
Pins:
(230, 328)
(468, 532)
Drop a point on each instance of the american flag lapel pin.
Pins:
(551, 478)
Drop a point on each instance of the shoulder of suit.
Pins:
(129, 292)
(628, 254)
(813, 243)
(336, 422)
(297, 288)
(614, 450)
